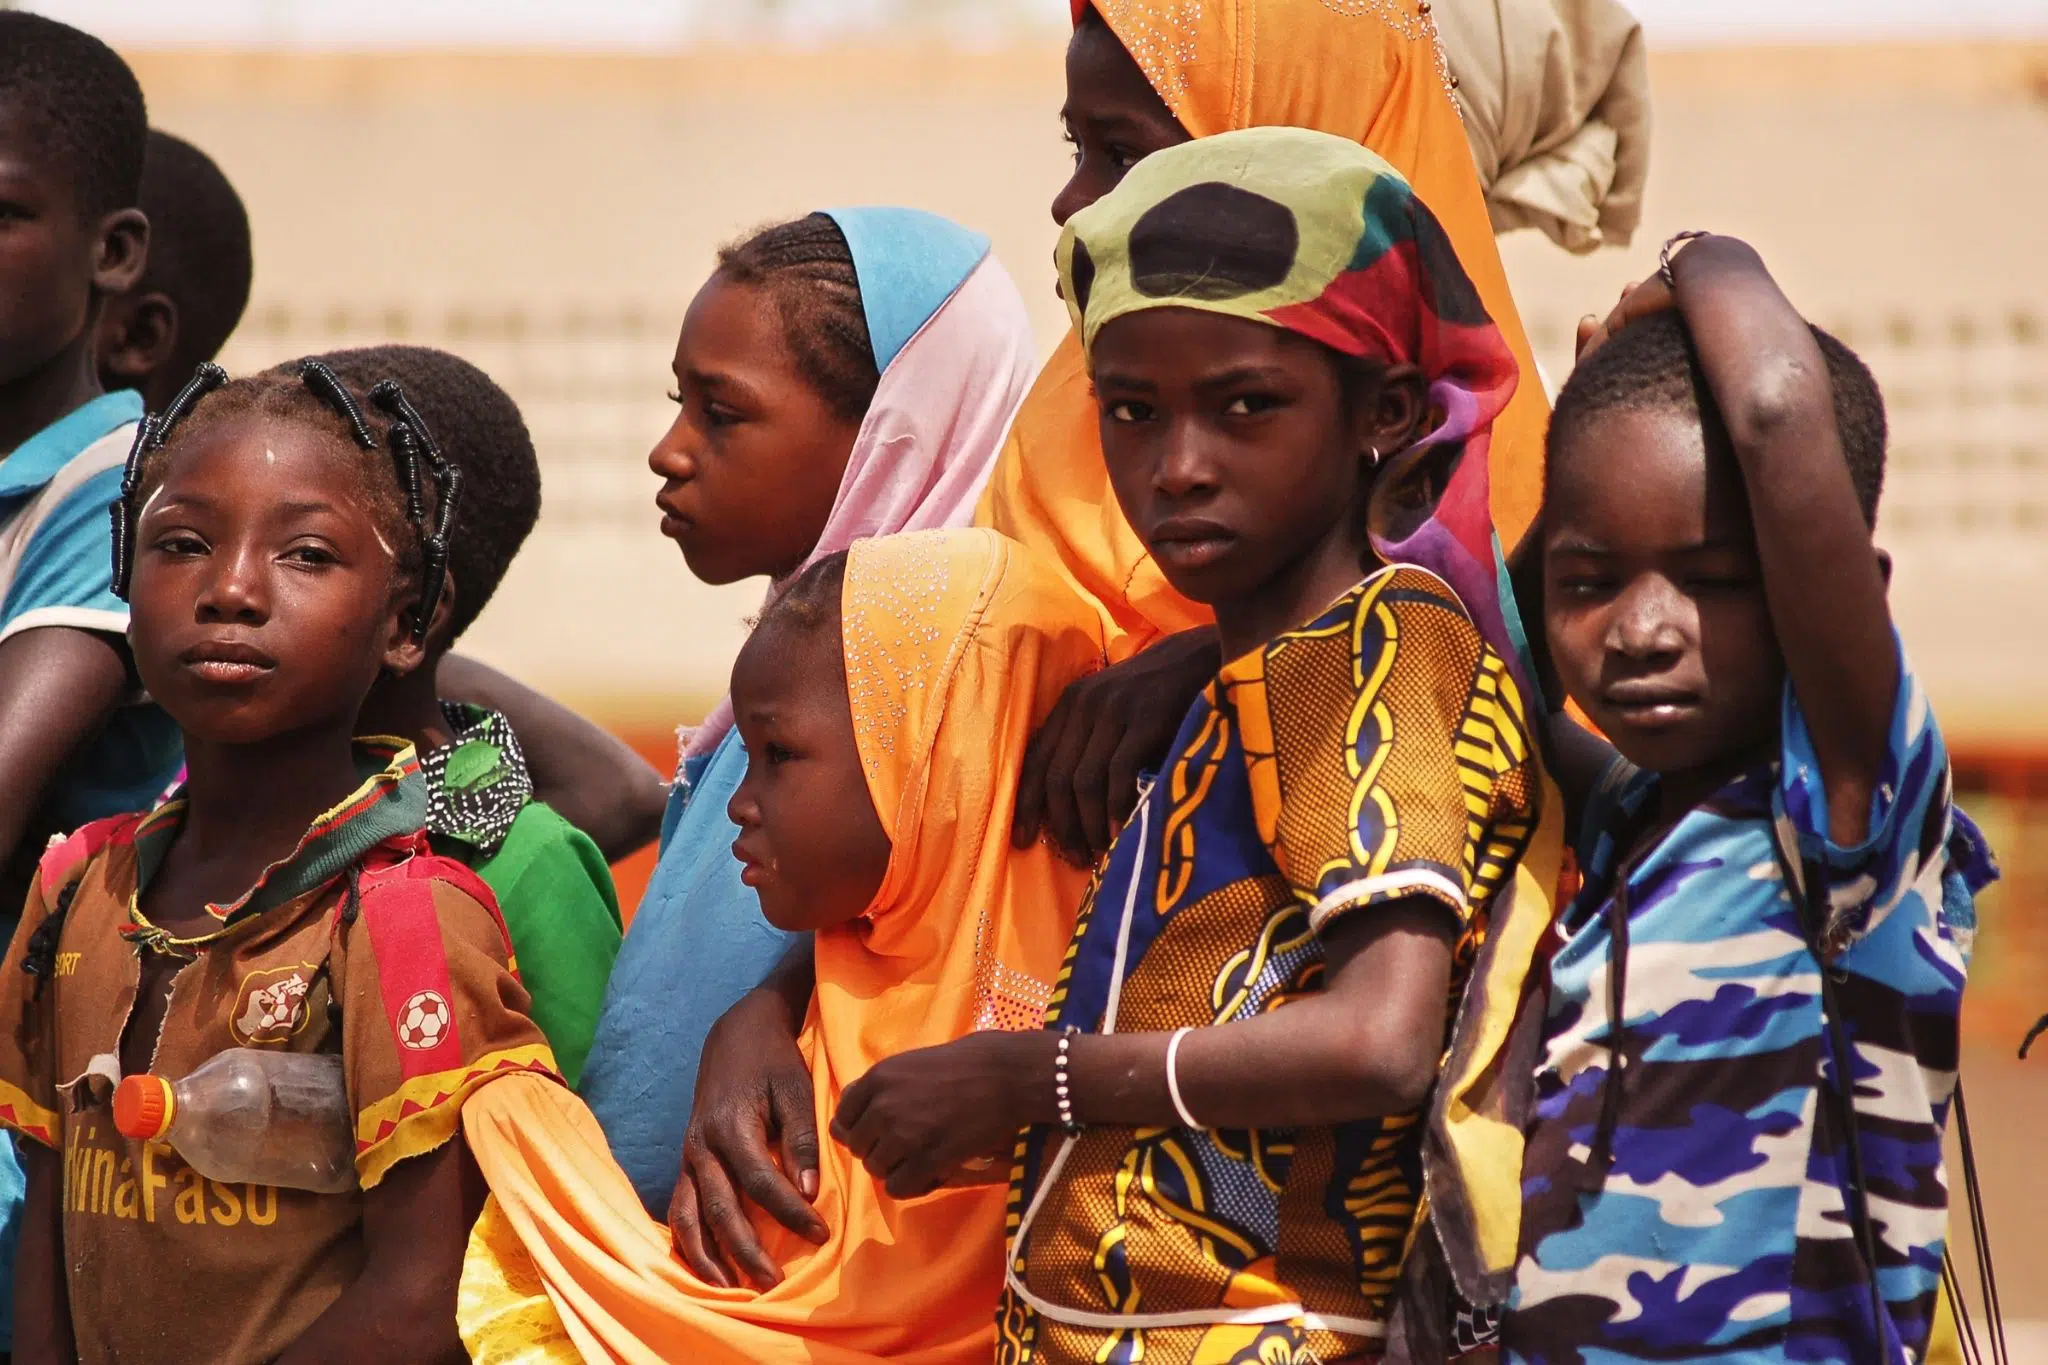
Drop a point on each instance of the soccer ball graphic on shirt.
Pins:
(424, 1021)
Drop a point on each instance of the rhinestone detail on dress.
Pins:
(892, 637)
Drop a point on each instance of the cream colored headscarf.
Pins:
(1556, 98)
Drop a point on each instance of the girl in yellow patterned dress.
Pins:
(1248, 1054)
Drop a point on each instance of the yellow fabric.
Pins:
(1945, 1342)
(1479, 1113)
(1382, 752)
(420, 1115)
(503, 1304)
(1368, 70)
(957, 645)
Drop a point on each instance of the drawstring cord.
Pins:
(39, 960)
(1615, 1082)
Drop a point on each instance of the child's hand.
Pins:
(919, 1119)
(1638, 300)
(1080, 775)
(751, 1142)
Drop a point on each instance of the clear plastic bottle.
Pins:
(268, 1118)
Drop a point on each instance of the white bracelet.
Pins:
(1180, 1106)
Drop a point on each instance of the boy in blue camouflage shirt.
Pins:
(1776, 884)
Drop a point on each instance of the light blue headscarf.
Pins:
(698, 942)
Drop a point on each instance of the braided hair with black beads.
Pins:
(413, 495)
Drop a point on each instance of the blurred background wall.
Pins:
(543, 194)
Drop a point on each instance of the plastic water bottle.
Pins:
(268, 1118)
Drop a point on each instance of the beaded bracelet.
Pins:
(1061, 1079)
(1664, 256)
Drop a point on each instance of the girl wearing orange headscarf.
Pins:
(1368, 70)
(875, 811)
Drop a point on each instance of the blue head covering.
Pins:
(909, 263)
(698, 942)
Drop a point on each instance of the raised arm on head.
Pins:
(1823, 580)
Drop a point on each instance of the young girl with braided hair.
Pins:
(282, 541)
(843, 376)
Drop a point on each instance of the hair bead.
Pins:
(327, 384)
(416, 459)
(150, 434)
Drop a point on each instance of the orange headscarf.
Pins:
(957, 645)
(1368, 70)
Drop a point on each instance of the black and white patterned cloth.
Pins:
(1475, 1329)
(477, 783)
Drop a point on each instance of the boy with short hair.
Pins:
(192, 293)
(551, 881)
(72, 745)
(1776, 882)
(75, 744)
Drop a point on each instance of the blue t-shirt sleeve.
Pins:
(1906, 847)
(65, 576)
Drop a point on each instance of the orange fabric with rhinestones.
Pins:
(957, 644)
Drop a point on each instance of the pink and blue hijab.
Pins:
(955, 349)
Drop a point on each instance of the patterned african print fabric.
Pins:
(1376, 754)
(1315, 235)
(1721, 1230)
(478, 783)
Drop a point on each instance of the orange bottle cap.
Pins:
(143, 1107)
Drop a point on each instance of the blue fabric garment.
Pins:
(697, 945)
(698, 942)
(13, 1189)
(38, 460)
(64, 577)
(1718, 1233)
(57, 569)
(908, 263)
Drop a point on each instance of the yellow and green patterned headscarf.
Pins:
(1318, 236)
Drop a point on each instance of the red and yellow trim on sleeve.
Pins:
(26, 1117)
(423, 1112)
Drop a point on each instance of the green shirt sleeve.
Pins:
(560, 907)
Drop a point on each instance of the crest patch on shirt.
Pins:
(271, 1005)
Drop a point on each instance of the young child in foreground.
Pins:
(842, 375)
(885, 701)
(1228, 1113)
(1765, 860)
(550, 881)
(276, 539)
